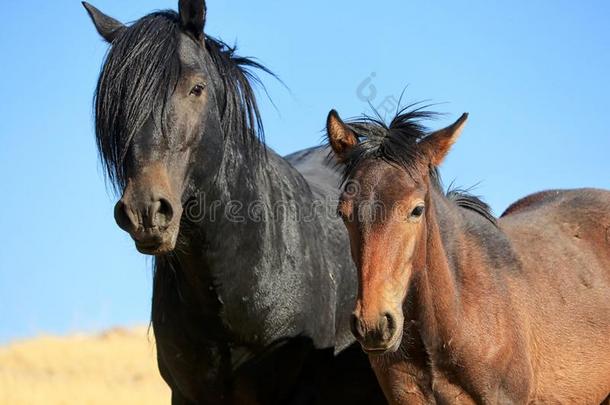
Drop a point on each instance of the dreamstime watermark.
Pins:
(201, 208)
(367, 92)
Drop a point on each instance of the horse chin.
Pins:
(159, 244)
(155, 250)
(389, 348)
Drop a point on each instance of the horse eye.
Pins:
(417, 211)
(197, 90)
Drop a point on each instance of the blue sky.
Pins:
(533, 76)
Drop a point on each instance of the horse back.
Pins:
(573, 215)
(318, 169)
(570, 228)
(531, 201)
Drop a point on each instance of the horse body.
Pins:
(477, 310)
(252, 288)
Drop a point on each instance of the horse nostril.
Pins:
(357, 327)
(388, 325)
(124, 218)
(164, 214)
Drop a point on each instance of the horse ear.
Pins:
(437, 145)
(192, 16)
(341, 138)
(106, 26)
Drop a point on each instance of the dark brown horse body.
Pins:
(455, 307)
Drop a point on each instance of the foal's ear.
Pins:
(192, 16)
(106, 26)
(437, 144)
(340, 136)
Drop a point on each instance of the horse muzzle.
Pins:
(151, 219)
(155, 242)
(378, 335)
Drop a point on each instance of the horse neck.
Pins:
(247, 167)
(438, 288)
(243, 252)
(261, 269)
(254, 166)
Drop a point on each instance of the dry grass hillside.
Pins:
(115, 367)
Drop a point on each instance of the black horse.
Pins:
(252, 288)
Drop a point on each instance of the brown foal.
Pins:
(457, 307)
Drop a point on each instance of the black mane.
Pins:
(397, 144)
(239, 113)
(139, 75)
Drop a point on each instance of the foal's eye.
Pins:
(197, 90)
(417, 212)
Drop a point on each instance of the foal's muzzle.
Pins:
(379, 334)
